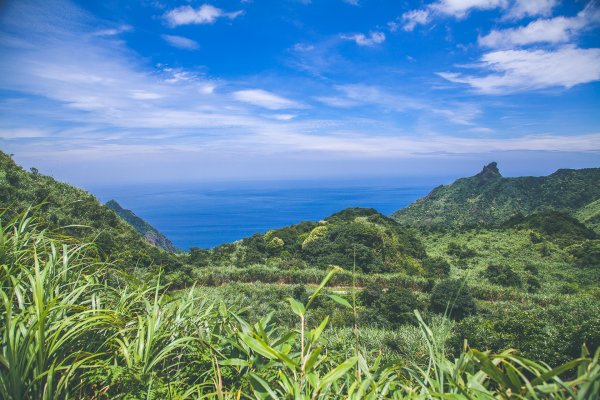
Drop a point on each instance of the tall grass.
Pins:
(72, 327)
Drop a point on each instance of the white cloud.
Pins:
(512, 9)
(554, 30)
(352, 2)
(460, 8)
(114, 31)
(262, 98)
(519, 70)
(361, 39)
(413, 18)
(181, 42)
(531, 8)
(205, 14)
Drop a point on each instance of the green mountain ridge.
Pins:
(74, 212)
(147, 231)
(490, 199)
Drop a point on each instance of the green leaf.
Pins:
(316, 333)
(297, 307)
(312, 359)
(259, 383)
(322, 285)
(337, 373)
(340, 300)
(235, 362)
(265, 350)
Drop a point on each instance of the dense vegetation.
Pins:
(73, 212)
(375, 243)
(75, 328)
(148, 232)
(82, 299)
(490, 199)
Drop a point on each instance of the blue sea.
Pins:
(205, 216)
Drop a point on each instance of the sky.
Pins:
(119, 92)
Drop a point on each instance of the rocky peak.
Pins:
(490, 171)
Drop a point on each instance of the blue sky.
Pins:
(155, 91)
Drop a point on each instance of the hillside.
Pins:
(73, 212)
(490, 199)
(377, 243)
(148, 232)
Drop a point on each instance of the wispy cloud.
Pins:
(531, 8)
(372, 39)
(460, 8)
(512, 9)
(360, 95)
(181, 42)
(108, 103)
(555, 30)
(263, 98)
(508, 71)
(114, 31)
(205, 14)
(410, 19)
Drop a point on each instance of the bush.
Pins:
(392, 307)
(452, 297)
(436, 267)
(503, 275)
(462, 252)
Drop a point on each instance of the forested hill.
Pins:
(73, 212)
(490, 199)
(148, 232)
(376, 244)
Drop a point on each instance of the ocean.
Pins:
(206, 216)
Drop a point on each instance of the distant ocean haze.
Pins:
(200, 216)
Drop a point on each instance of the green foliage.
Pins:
(452, 297)
(73, 212)
(377, 244)
(437, 267)
(74, 328)
(489, 199)
(391, 308)
(462, 252)
(554, 332)
(503, 275)
(561, 228)
(586, 254)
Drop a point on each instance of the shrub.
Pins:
(503, 275)
(462, 252)
(392, 307)
(436, 267)
(452, 297)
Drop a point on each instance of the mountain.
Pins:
(69, 211)
(148, 232)
(490, 199)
